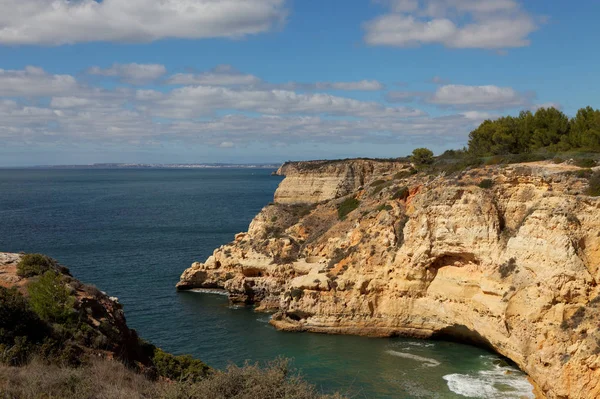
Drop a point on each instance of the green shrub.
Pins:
(347, 206)
(583, 173)
(403, 174)
(401, 194)
(507, 267)
(585, 163)
(594, 185)
(297, 293)
(557, 160)
(422, 157)
(20, 328)
(377, 183)
(179, 368)
(32, 265)
(50, 298)
(384, 207)
(486, 183)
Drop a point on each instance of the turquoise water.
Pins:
(132, 233)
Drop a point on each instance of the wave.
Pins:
(499, 383)
(214, 291)
(427, 362)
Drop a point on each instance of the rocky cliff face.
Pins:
(507, 257)
(316, 181)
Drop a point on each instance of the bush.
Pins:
(109, 379)
(20, 328)
(377, 183)
(507, 267)
(422, 157)
(179, 368)
(32, 265)
(594, 185)
(347, 206)
(384, 207)
(403, 174)
(486, 183)
(297, 293)
(380, 187)
(585, 163)
(401, 194)
(50, 298)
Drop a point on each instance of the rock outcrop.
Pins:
(316, 181)
(103, 330)
(507, 257)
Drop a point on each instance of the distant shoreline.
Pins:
(151, 166)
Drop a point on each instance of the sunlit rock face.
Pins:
(513, 266)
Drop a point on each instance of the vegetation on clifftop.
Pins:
(58, 336)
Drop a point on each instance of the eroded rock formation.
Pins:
(505, 256)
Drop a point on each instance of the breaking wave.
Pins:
(501, 382)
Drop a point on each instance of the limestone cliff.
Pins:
(508, 257)
(316, 181)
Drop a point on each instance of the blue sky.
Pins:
(183, 81)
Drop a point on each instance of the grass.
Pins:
(110, 379)
(347, 206)
(594, 185)
(401, 194)
(384, 207)
(32, 265)
(486, 184)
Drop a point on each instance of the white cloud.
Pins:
(222, 75)
(56, 22)
(34, 81)
(488, 24)
(196, 101)
(227, 75)
(363, 85)
(131, 73)
(479, 97)
(40, 109)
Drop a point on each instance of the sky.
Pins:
(261, 81)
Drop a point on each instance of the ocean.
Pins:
(132, 232)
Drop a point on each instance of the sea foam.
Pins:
(210, 291)
(427, 362)
(498, 383)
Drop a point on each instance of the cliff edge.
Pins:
(504, 256)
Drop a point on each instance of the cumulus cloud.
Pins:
(56, 22)
(227, 75)
(479, 97)
(34, 81)
(196, 101)
(363, 85)
(131, 73)
(488, 24)
(38, 108)
(221, 75)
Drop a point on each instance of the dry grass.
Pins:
(104, 379)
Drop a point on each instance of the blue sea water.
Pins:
(131, 232)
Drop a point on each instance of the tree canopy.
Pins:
(546, 129)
